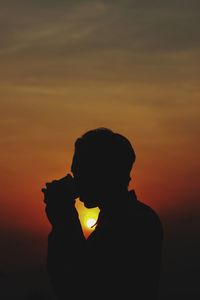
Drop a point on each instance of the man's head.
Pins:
(101, 165)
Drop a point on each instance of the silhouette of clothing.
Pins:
(120, 259)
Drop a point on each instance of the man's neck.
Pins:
(115, 201)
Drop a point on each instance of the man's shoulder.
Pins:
(147, 216)
(146, 209)
(141, 210)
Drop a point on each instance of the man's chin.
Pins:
(88, 203)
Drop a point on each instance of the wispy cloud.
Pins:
(99, 25)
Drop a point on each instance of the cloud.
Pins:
(98, 26)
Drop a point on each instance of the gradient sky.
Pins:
(131, 66)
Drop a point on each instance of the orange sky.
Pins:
(38, 134)
(69, 68)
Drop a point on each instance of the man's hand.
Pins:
(59, 196)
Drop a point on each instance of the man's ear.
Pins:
(121, 180)
(126, 180)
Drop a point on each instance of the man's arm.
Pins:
(66, 242)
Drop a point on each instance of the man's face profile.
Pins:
(88, 181)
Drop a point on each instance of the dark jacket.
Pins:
(120, 259)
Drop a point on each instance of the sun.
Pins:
(90, 222)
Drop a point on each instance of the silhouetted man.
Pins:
(121, 258)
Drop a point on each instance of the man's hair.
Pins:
(107, 150)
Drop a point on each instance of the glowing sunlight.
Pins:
(91, 222)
